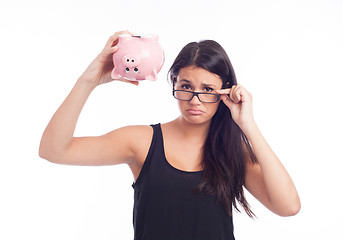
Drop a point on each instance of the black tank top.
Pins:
(165, 208)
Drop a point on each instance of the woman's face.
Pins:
(196, 79)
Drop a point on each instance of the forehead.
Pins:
(197, 76)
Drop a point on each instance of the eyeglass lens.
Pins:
(203, 97)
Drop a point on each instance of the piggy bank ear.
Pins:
(152, 76)
(155, 38)
(150, 37)
(115, 74)
(124, 36)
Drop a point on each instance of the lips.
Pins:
(195, 111)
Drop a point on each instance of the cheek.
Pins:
(181, 104)
(214, 107)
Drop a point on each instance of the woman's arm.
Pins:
(268, 181)
(58, 144)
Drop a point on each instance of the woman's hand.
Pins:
(99, 71)
(268, 180)
(239, 101)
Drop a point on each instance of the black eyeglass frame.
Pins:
(196, 94)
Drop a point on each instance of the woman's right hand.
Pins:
(99, 71)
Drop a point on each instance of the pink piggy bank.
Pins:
(138, 58)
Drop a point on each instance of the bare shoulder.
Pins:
(140, 137)
(140, 140)
(135, 130)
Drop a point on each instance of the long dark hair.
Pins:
(225, 147)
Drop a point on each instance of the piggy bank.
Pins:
(137, 58)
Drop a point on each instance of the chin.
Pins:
(198, 120)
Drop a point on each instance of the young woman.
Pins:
(188, 173)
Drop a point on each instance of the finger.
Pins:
(243, 94)
(113, 40)
(232, 94)
(114, 49)
(111, 45)
(226, 93)
(134, 83)
(128, 81)
(237, 94)
(227, 101)
(106, 53)
(111, 50)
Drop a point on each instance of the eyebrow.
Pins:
(203, 84)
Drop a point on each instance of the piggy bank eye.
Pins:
(135, 70)
(127, 69)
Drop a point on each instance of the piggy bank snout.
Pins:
(131, 63)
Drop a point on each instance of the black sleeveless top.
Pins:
(165, 208)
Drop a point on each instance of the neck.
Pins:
(198, 132)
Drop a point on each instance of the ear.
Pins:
(115, 74)
(149, 37)
(152, 76)
(124, 36)
(155, 37)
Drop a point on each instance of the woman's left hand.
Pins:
(239, 101)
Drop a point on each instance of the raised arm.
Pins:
(58, 143)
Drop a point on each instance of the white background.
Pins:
(288, 54)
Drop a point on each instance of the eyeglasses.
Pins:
(203, 97)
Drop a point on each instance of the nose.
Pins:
(195, 100)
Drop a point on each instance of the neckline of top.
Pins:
(165, 158)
